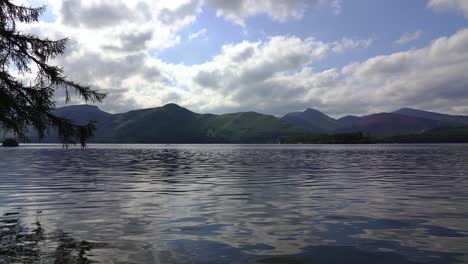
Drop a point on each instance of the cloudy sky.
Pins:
(271, 56)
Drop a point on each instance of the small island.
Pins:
(10, 142)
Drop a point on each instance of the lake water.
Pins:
(234, 204)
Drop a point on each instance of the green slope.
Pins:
(249, 127)
(168, 124)
(174, 124)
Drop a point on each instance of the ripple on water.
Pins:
(234, 204)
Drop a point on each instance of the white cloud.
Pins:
(199, 34)
(408, 37)
(276, 76)
(249, 75)
(112, 43)
(458, 5)
(237, 11)
(280, 10)
(432, 78)
(348, 43)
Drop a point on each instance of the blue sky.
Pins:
(271, 56)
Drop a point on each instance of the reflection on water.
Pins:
(22, 244)
(234, 204)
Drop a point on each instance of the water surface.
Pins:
(234, 204)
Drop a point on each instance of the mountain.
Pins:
(79, 114)
(348, 120)
(387, 124)
(167, 124)
(313, 121)
(456, 119)
(174, 124)
(401, 122)
(82, 114)
(383, 124)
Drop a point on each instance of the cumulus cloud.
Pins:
(112, 44)
(185, 10)
(408, 37)
(268, 77)
(246, 72)
(94, 14)
(431, 78)
(273, 76)
(131, 42)
(458, 5)
(124, 25)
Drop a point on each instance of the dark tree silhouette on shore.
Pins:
(25, 105)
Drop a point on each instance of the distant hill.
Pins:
(313, 121)
(383, 124)
(348, 120)
(461, 120)
(388, 124)
(167, 124)
(79, 114)
(174, 124)
(82, 114)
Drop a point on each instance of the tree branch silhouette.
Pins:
(25, 106)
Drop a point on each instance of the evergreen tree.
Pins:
(23, 106)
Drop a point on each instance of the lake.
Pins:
(234, 204)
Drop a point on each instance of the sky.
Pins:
(271, 56)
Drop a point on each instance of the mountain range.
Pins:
(174, 124)
(400, 122)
